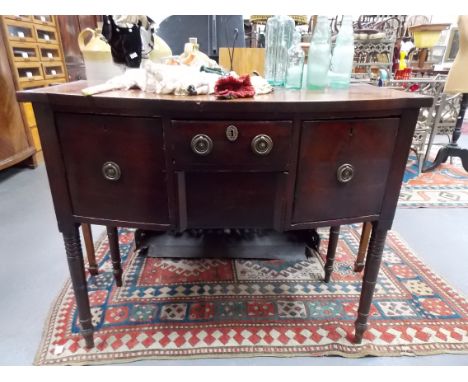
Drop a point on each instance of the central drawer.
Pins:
(228, 145)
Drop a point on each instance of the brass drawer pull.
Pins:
(345, 173)
(201, 144)
(111, 171)
(262, 144)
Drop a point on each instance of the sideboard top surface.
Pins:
(362, 96)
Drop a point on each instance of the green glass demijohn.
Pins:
(278, 39)
(318, 59)
(341, 64)
(295, 68)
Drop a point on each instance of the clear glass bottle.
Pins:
(343, 54)
(295, 69)
(278, 39)
(318, 59)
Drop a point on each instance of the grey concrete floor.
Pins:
(33, 270)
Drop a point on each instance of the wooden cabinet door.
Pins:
(15, 141)
(93, 146)
(219, 199)
(365, 145)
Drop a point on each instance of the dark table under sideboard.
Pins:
(286, 161)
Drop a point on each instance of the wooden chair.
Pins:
(113, 236)
(333, 242)
(89, 245)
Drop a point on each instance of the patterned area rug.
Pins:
(222, 308)
(447, 186)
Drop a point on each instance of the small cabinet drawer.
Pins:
(24, 52)
(32, 85)
(53, 70)
(342, 168)
(115, 167)
(257, 145)
(41, 83)
(44, 19)
(55, 81)
(19, 17)
(29, 71)
(20, 31)
(45, 34)
(49, 52)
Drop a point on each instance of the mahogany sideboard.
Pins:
(289, 160)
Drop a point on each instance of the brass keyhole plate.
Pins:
(232, 133)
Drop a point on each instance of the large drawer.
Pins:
(342, 168)
(252, 145)
(115, 167)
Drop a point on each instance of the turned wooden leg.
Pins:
(78, 278)
(332, 243)
(113, 236)
(371, 271)
(363, 245)
(90, 252)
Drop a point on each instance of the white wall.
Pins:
(444, 19)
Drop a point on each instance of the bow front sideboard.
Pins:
(285, 161)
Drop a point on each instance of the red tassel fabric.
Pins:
(230, 87)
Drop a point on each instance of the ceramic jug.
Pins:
(97, 56)
(160, 50)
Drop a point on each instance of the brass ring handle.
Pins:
(201, 144)
(262, 144)
(345, 173)
(111, 171)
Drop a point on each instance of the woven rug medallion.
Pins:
(446, 186)
(221, 308)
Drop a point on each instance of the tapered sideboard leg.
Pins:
(78, 278)
(363, 245)
(371, 271)
(113, 236)
(332, 243)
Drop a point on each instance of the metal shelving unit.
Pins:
(369, 54)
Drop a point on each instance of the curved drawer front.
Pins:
(256, 145)
(343, 168)
(115, 167)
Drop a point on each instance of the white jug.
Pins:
(97, 56)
